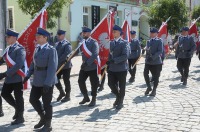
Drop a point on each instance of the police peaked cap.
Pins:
(60, 32)
(41, 31)
(10, 32)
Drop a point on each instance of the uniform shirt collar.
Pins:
(42, 46)
(87, 39)
(62, 41)
(117, 39)
(13, 45)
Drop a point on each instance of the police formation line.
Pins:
(47, 59)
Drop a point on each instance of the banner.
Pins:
(193, 31)
(101, 34)
(27, 38)
(126, 31)
(163, 35)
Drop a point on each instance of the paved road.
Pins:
(175, 108)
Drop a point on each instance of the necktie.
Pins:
(39, 48)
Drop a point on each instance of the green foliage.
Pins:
(196, 14)
(32, 7)
(163, 9)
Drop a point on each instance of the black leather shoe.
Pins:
(61, 95)
(120, 103)
(93, 102)
(185, 82)
(153, 93)
(19, 120)
(131, 80)
(47, 127)
(41, 122)
(1, 114)
(147, 91)
(85, 100)
(116, 101)
(65, 99)
(15, 116)
(101, 88)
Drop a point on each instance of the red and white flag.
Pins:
(163, 33)
(27, 37)
(193, 31)
(126, 31)
(102, 33)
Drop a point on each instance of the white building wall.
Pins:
(77, 14)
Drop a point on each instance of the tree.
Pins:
(196, 14)
(32, 7)
(160, 10)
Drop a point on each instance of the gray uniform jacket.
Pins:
(118, 53)
(93, 47)
(17, 54)
(186, 47)
(44, 66)
(63, 48)
(154, 49)
(135, 49)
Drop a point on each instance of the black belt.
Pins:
(40, 68)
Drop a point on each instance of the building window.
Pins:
(85, 16)
(10, 18)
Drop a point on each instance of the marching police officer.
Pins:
(63, 48)
(118, 66)
(89, 67)
(43, 67)
(135, 54)
(153, 61)
(15, 58)
(184, 52)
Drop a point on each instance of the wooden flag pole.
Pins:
(136, 61)
(104, 73)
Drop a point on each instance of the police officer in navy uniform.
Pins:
(63, 48)
(118, 66)
(153, 61)
(43, 67)
(135, 49)
(89, 68)
(13, 81)
(184, 52)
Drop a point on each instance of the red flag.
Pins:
(27, 37)
(193, 31)
(126, 31)
(163, 35)
(101, 34)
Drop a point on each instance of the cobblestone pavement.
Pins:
(175, 107)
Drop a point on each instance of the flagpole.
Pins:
(47, 4)
(195, 21)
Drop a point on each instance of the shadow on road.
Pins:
(142, 99)
(177, 86)
(142, 86)
(97, 115)
(9, 128)
(106, 96)
(77, 110)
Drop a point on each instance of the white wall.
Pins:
(77, 14)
